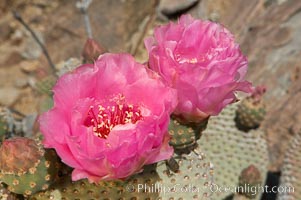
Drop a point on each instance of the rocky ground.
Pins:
(268, 31)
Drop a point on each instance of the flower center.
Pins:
(104, 118)
(181, 59)
(186, 60)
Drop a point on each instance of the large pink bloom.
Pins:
(201, 60)
(109, 118)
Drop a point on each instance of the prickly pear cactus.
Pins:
(25, 166)
(184, 136)
(6, 123)
(65, 189)
(290, 182)
(45, 85)
(251, 111)
(192, 181)
(7, 195)
(232, 150)
(250, 115)
(249, 179)
(46, 103)
(3, 128)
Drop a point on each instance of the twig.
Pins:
(83, 7)
(17, 112)
(18, 17)
(87, 23)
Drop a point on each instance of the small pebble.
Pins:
(29, 66)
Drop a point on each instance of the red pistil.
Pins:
(107, 118)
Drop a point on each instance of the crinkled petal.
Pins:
(201, 60)
(87, 125)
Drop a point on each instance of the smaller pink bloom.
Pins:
(109, 118)
(201, 60)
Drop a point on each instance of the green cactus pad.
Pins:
(192, 181)
(28, 180)
(290, 182)
(45, 85)
(184, 136)
(232, 150)
(66, 189)
(3, 128)
(7, 195)
(46, 103)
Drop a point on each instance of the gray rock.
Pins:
(32, 50)
(67, 66)
(21, 83)
(8, 95)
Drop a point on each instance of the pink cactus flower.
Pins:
(202, 61)
(109, 118)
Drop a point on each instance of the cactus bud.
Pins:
(92, 50)
(249, 180)
(251, 111)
